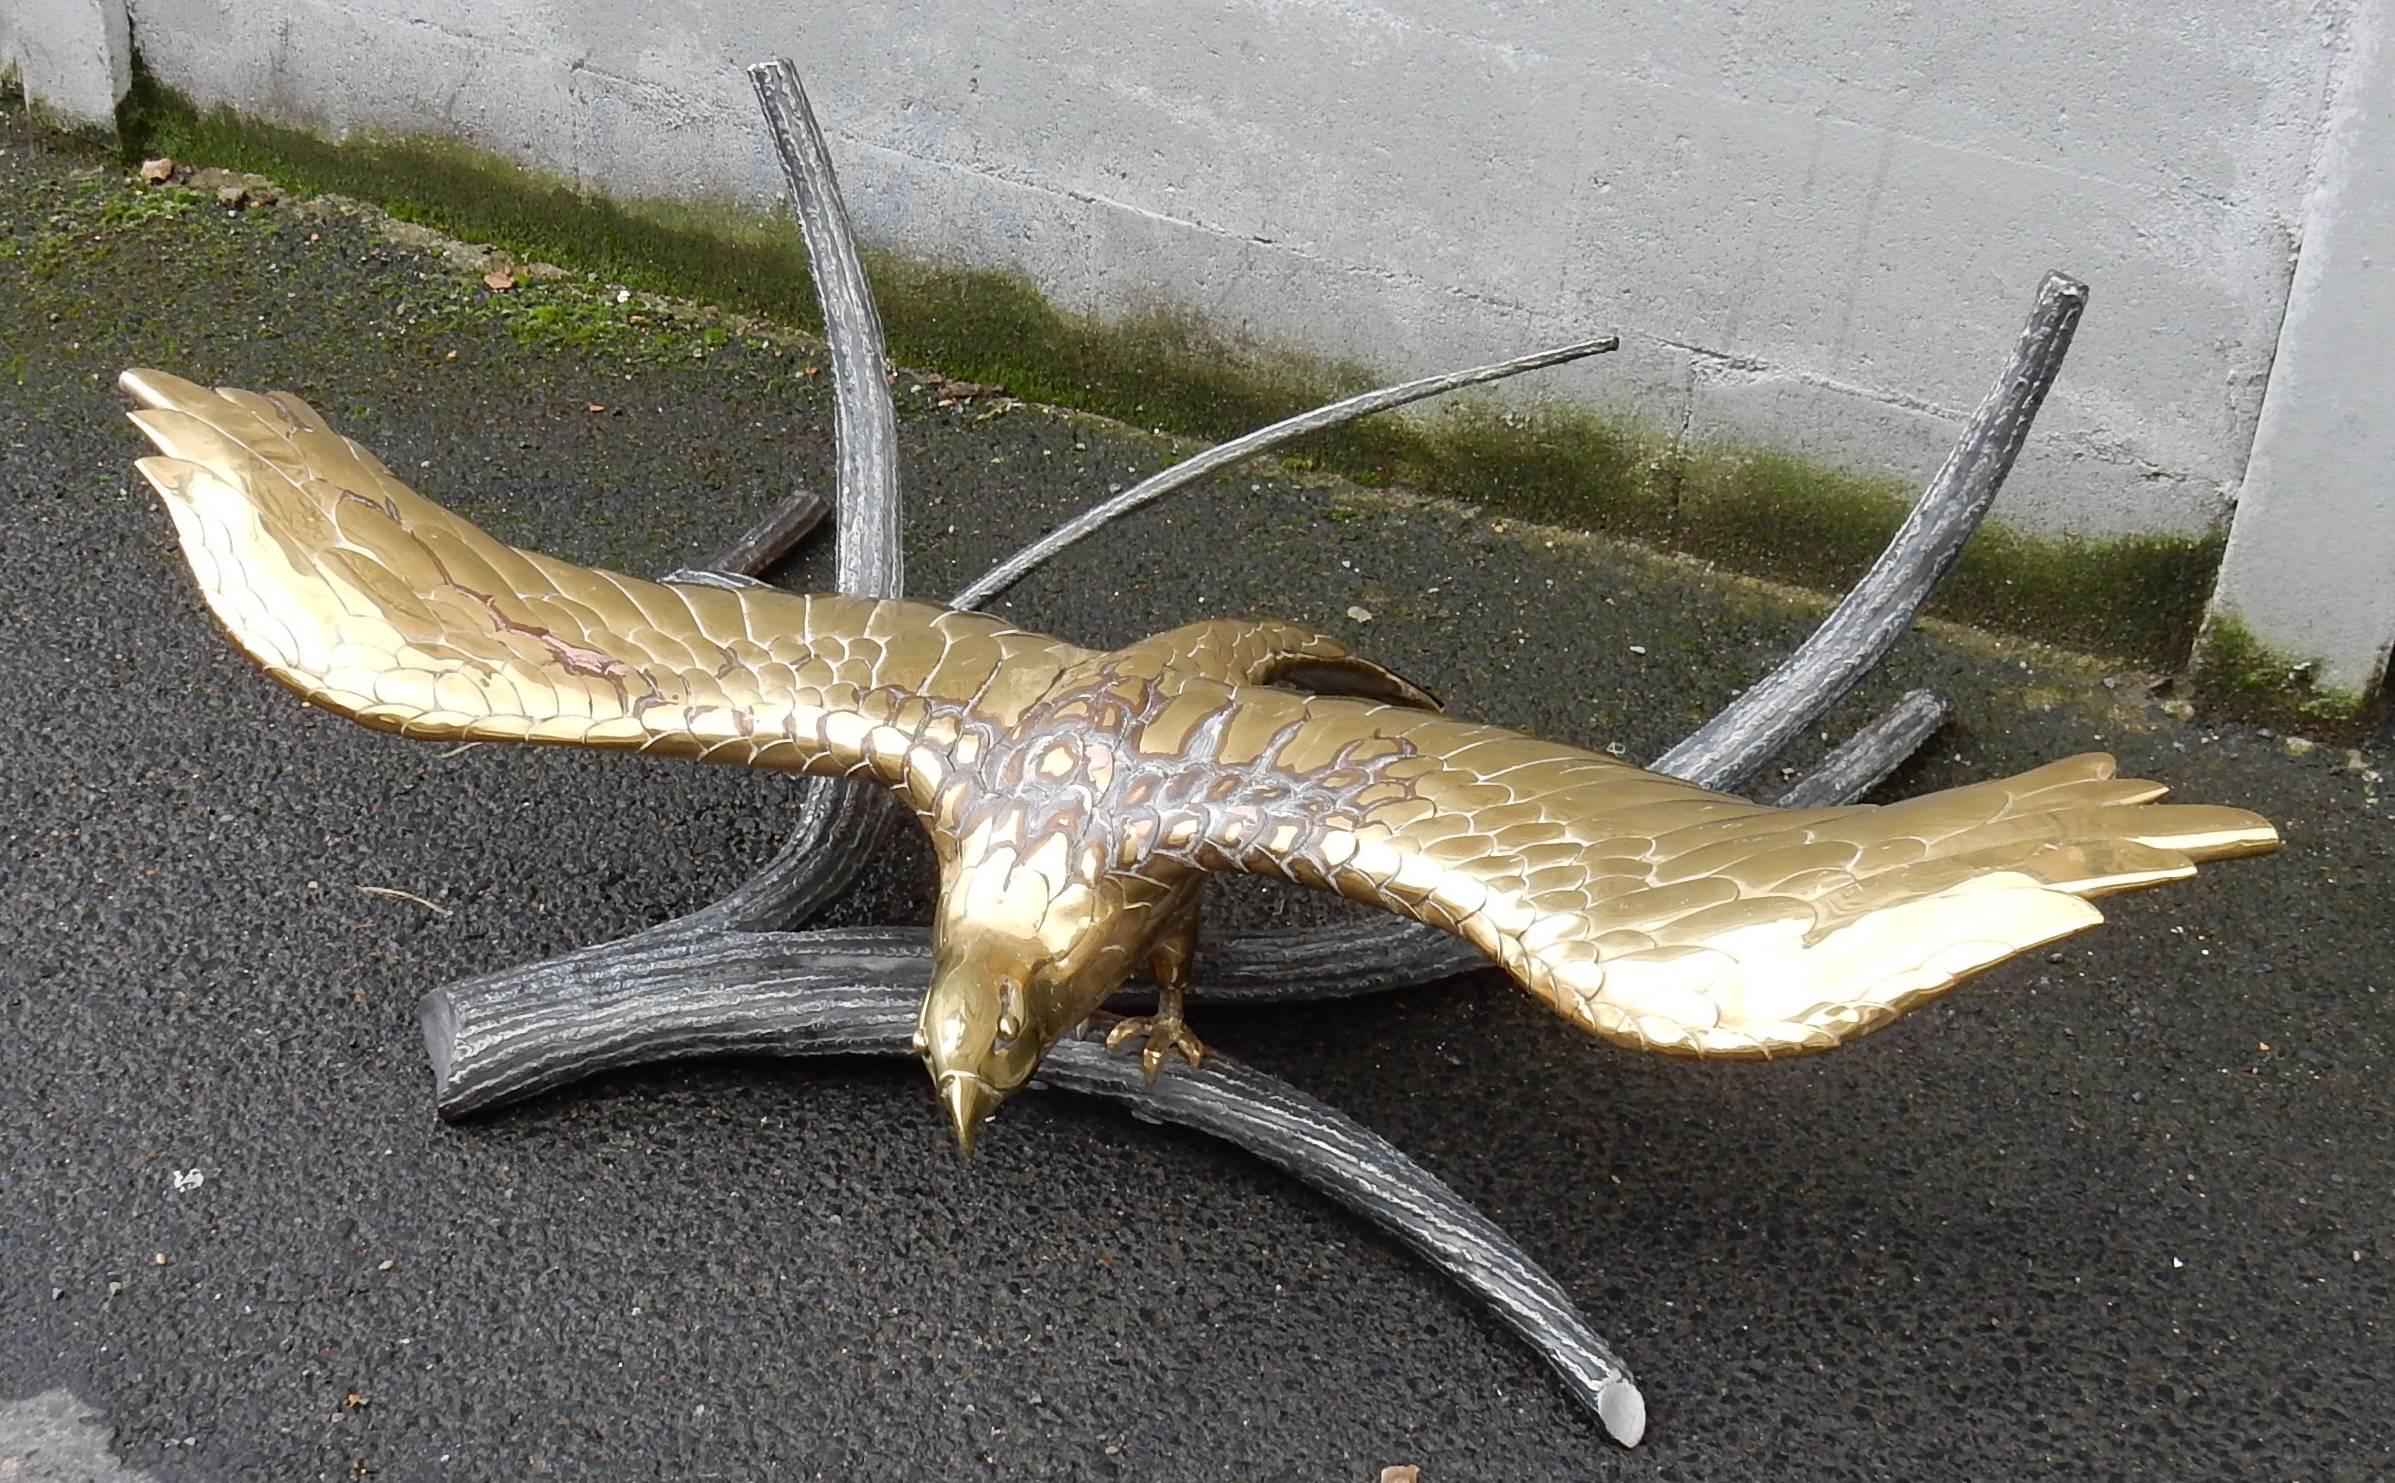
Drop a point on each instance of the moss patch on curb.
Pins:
(1752, 510)
(2139, 597)
(2237, 674)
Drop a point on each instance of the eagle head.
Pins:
(1018, 960)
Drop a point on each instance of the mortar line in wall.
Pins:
(1092, 198)
(1722, 360)
(1709, 365)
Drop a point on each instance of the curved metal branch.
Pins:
(1728, 750)
(1356, 1167)
(666, 995)
(815, 1006)
(870, 559)
(839, 823)
(1863, 760)
(760, 548)
(1263, 440)
(1733, 746)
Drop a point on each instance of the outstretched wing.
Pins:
(373, 601)
(1648, 910)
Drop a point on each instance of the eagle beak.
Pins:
(970, 1101)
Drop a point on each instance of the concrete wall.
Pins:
(72, 56)
(1816, 222)
(2310, 569)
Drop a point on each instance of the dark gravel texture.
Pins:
(2123, 1211)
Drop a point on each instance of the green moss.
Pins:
(577, 317)
(718, 255)
(2141, 597)
(84, 216)
(2238, 675)
(1757, 511)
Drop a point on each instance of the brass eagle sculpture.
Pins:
(1077, 800)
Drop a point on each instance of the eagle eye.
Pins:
(1010, 1012)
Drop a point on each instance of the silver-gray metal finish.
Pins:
(1263, 440)
(1728, 750)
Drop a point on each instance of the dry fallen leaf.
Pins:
(499, 280)
(393, 893)
(158, 171)
(1404, 1472)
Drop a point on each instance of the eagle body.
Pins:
(1077, 800)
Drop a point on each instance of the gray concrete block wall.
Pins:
(73, 57)
(2310, 567)
(1817, 223)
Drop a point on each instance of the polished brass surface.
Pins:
(1076, 800)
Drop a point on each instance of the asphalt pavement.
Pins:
(2121, 1210)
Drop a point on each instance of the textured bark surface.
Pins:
(1728, 750)
(1865, 759)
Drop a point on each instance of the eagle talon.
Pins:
(1168, 964)
(1165, 1034)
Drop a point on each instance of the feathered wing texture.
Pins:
(1257, 651)
(1648, 910)
(368, 599)
(1645, 909)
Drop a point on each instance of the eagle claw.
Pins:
(1166, 1035)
